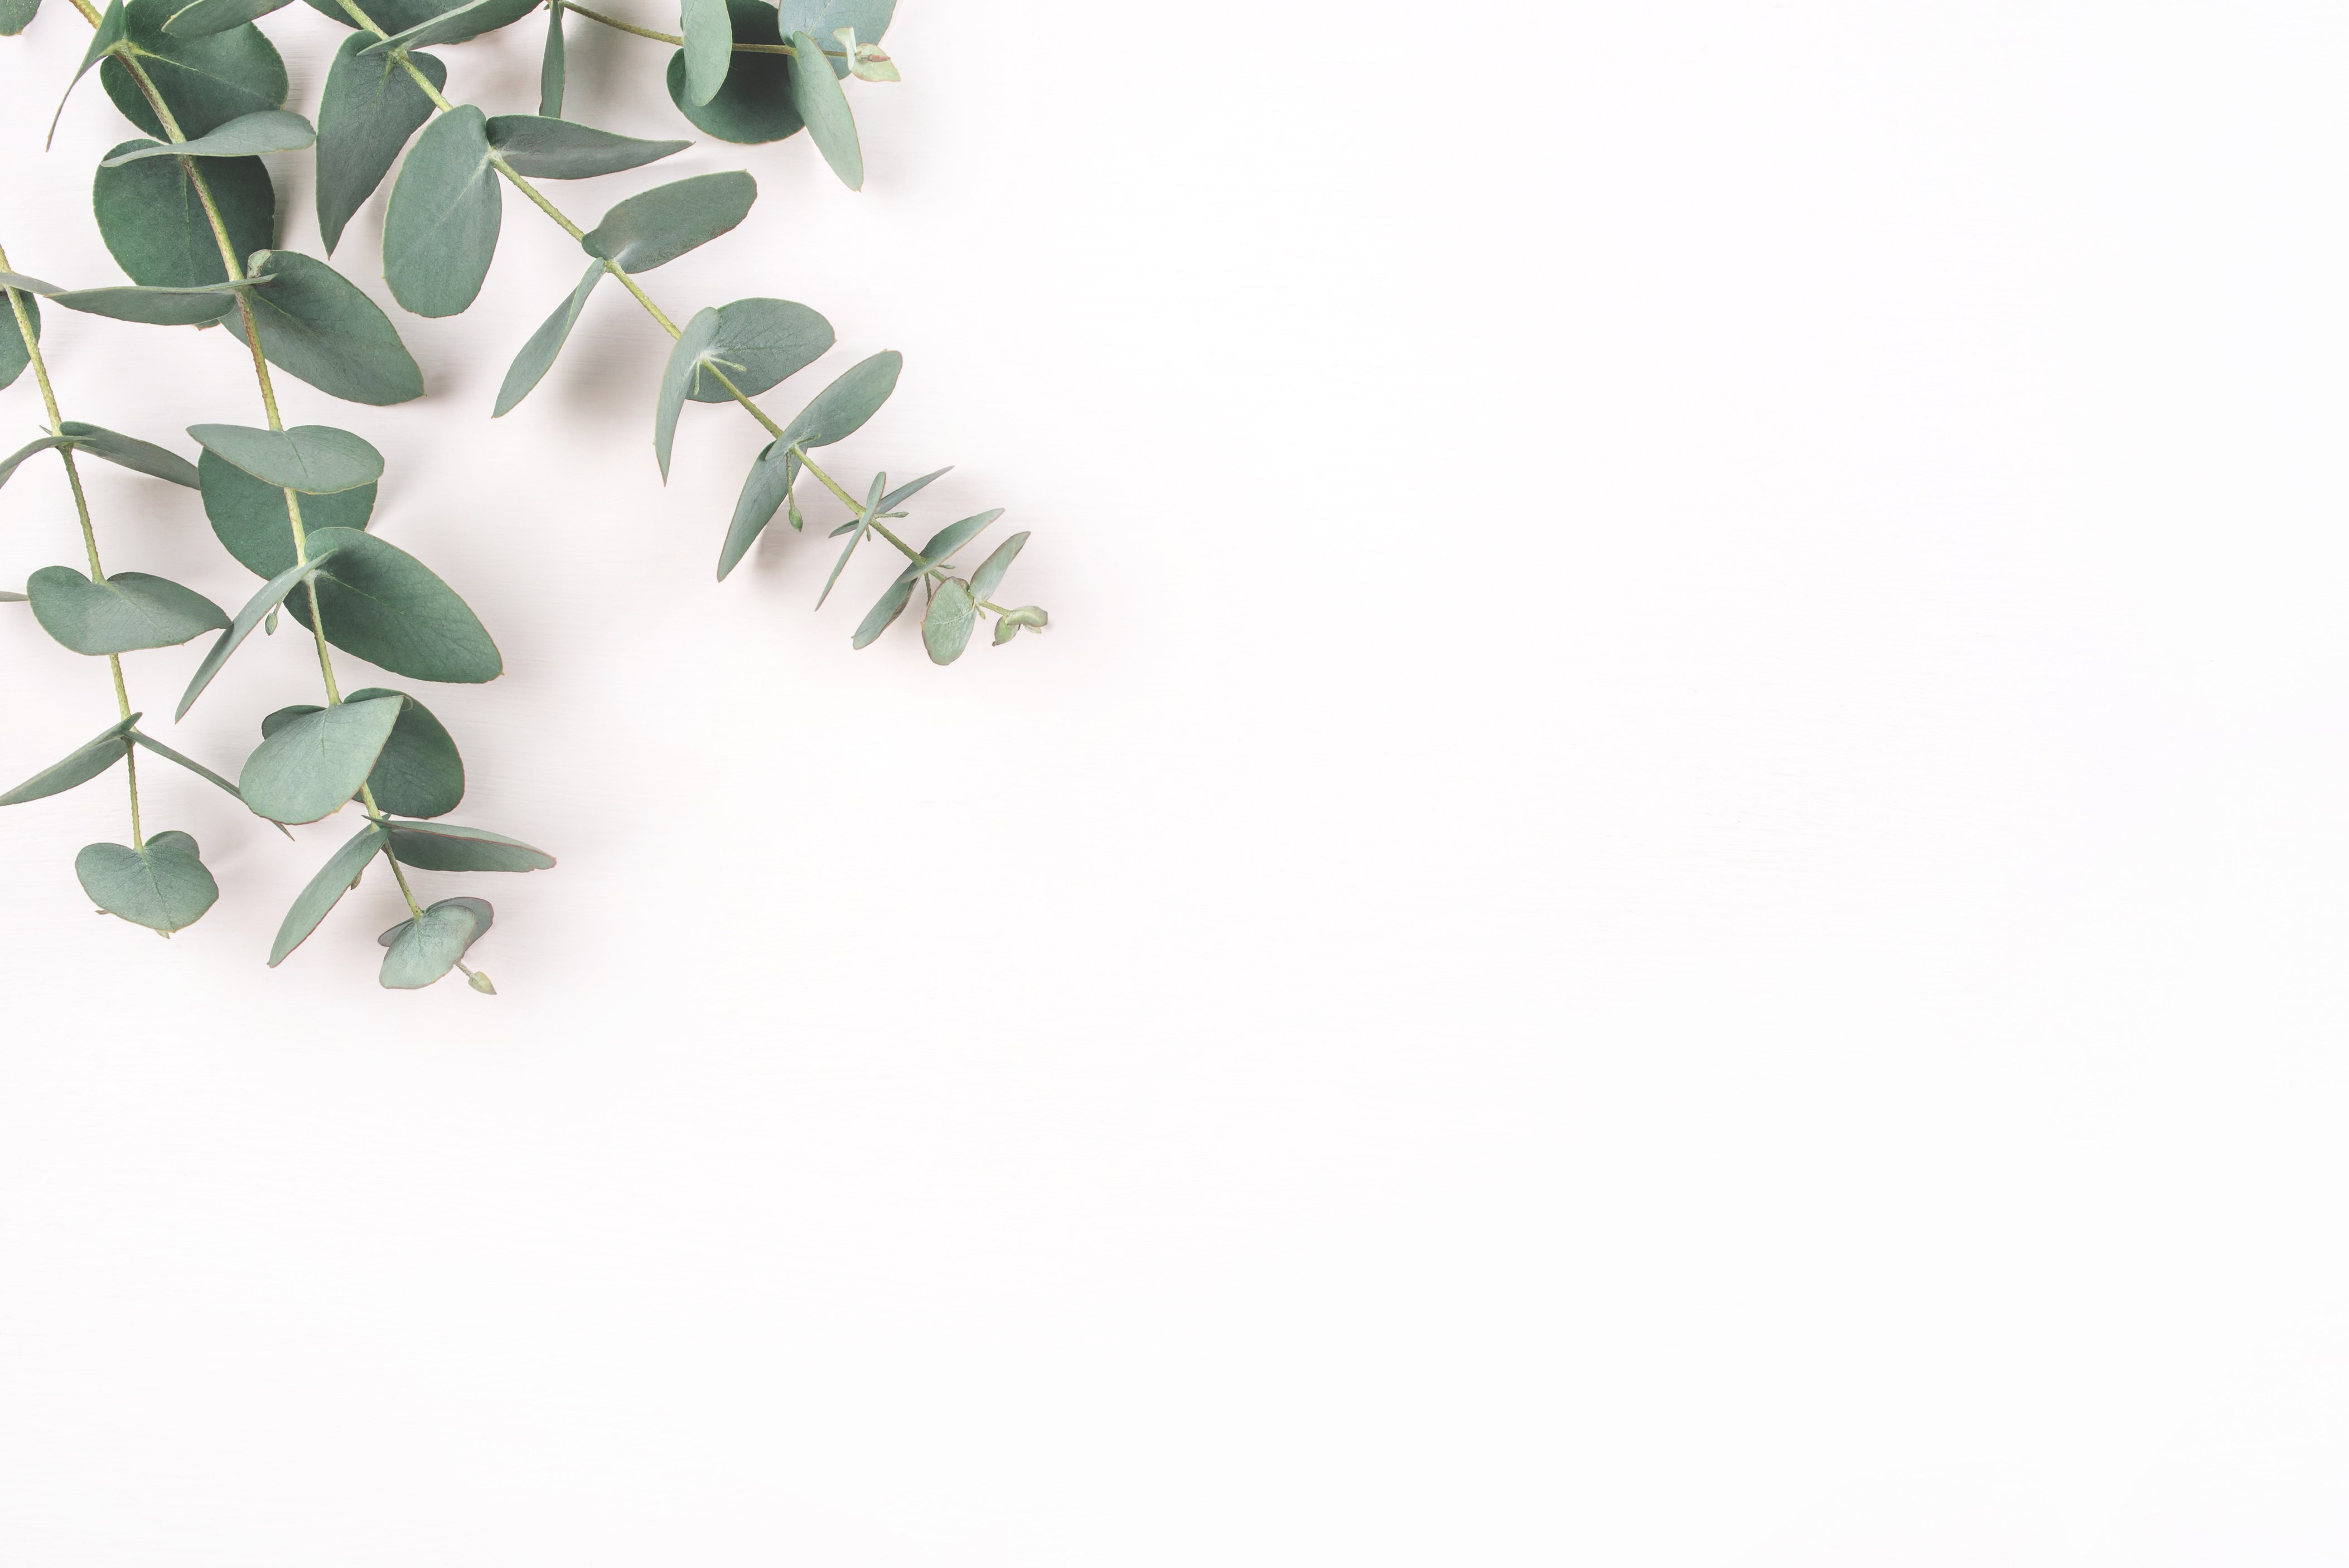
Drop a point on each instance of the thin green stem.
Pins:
(678, 40)
(414, 911)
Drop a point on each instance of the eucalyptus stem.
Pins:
(678, 40)
(81, 509)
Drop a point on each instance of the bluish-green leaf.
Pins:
(946, 542)
(677, 378)
(398, 15)
(16, 15)
(887, 608)
(420, 772)
(113, 27)
(325, 890)
(838, 411)
(946, 628)
(815, 93)
(820, 17)
(9, 464)
(862, 524)
(81, 764)
(760, 342)
(454, 26)
(537, 356)
(128, 610)
(441, 227)
(654, 229)
(316, 324)
(311, 764)
(1007, 626)
(427, 947)
(544, 149)
(386, 606)
(205, 82)
(552, 64)
(315, 460)
(755, 104)
(15, 354)
(248, 135)
(709, 47)
(154, 222)
(205, 18)
(189, 763)
(125, 451)
(368, 111)
(163, 886)
(154, 307)
(989, 575)
(267, 598)
(446, 847)
(249, 516)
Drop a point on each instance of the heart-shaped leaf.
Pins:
(755, 103)
(163, 886)
(446, 847)
(316, 325)
(544, 149)
(815, 93)
(419, 774)
(79, 766)
(128, 610)
(248, 135)
(838, 411)
(427, 947)
(386, 606)
(537, 356)
(206, 81)
(313, 762)
(366, 115)
(325, 890)
(249, 516)
(205, 18)
(441, 227)
(654, 229)
(945, 629)
(153, 222)
(315, 460)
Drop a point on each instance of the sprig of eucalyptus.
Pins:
(159, 882)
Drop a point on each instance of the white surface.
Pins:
(1671, 892)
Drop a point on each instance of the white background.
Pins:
(1671, 891)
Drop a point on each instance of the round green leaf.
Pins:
(153, 222)
(311, 764)
(419, 774)
(249, 516)
(316, 324)
(441, 227)
(163, 887)
(206, 81)
(128, 610)
(755, 104)
(426, 948)
(366, 115)
(386, 606)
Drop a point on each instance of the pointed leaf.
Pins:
(759, 343)
(676, 377)
(128, 610)
(141, 456)
(249, 519)
(446, 847)
(654, 229)
(368, 111)
(862, 522)
(310, 766)
(81, 764)
(205, 18)
(386, 606)
(315, 460)
(163, 887)
(838, 412)
(551, 64)
(189, 763)
(270, 596)
(887, 609)
(112, 28)
(316, 325)
(154, 307)
(454, 26)
(9, 464)
(537, 356)
(426, 948)
(815, 93)
(989, 575)
(946, 542)
(206, 82)
(441, 227)
(400, 16)
(313, 902)
(755, 103)
(264, 130)
(155, 224)
(945, 629)
(544, 149)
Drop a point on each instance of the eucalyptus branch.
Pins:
(678, 39)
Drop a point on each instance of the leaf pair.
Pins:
(837, 412)
(745, 348)
(432, 846)
(128, 452)
(415, 770)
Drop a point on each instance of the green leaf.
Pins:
(154, 307)
(84, 763)
(537, 356)
(426, 948)
(551, 64)
(870, 18)
(862, 524)
(839, 411)
(755, 104)
(989, 575)
(128, 610)
(266, 599)
(760, 342)
(654, 229)
(141, 456)
(312, 763)
(887, 608)
(441, 227)
(9, 464)
(315, 460)
(264, 130)
(453, 26)
(946, 542)
(368, 111)
(316, 324)
(153, 222)
(684, 361)
(945, 629)
(112, 28)
(815, 93)
(163, 887)
(206, 82)
(205, 18)
(386, 606)
(15, 354)
(419, 774)
(709, 47)
(544, 149)
(313, 902)
(16, 15)
(446, 847)
(867, 62)
(24, 284)
(1007, 626)
(400, 16)
(189, 763)
(249, 516)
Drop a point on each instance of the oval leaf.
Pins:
(709, 47)
(266, 130)
(206, 81)
(128, 610)
(15, 354)
(759, 343)
(154, 224)
(891, 605)
(311, 764)
(81, 764)
(386, 606)
(154, 307)
(368, 111)
(989, 575)
(454, 26)
(815, 93)
(163, 887)
(316, 325)
(446, 847)
(249, 516)
(755, 103)
(315, 460)
(419, 774)
(544, 149)
(945, 629)
(441, 227)
(662, 223)
(426, 948)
